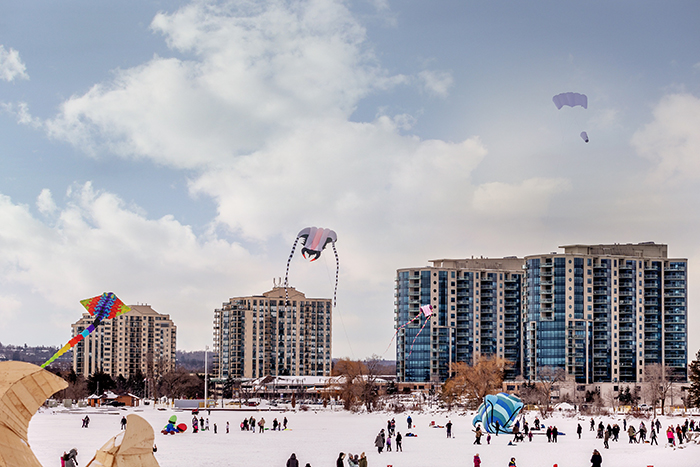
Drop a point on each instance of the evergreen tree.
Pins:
(694, 377)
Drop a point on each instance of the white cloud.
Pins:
(45, 202)
(528, 198)
(260, 115)
(11, 66)
(672, 141)
(436, 82)
(260, 71)
(10, 307)
(98, 245)
(21, 112)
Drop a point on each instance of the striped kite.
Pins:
(105, 306)
(315, 241)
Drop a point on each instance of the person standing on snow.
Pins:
(596, 459)
(477, 435)
(398, 442)
(339, 461)
(292, 461)
(512, 462)
(653, 437)
(449, 428)
(579, 430)
(477, 460)
(409, 420)
(670, 436)
(606, 439)
(70, 458)
(379, 442)
(363, 460)
(123, 422)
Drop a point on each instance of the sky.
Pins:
(170, 151)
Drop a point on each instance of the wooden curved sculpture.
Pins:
(23, 389)
(130, 448)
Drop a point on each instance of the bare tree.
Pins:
(475, 382)
(658, 384)
(548, 377)
(350, 372)
(530, 394)
(369, 389)
(181, 384)
(612, 399)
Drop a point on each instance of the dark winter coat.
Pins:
(71, 460)
(339, 461)
(293, 462)
(596, 460)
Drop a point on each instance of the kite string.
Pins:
(399, 329)
(335, 293)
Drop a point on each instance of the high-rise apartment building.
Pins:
(476, 312)
(141, 339)
(604, 312)
(600, 312)
(258, 336)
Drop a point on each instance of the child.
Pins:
(477, 460)
(512, 462)
(388, 443)
(488, 438)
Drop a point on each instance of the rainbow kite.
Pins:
(105, 306)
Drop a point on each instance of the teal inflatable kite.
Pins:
(498, 410)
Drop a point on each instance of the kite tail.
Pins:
(400, 328)
(418, 334)
(71, 343)
(337, 272)
(286, 275)
(60, 352)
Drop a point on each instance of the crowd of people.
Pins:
(384, 438)
(611, 432)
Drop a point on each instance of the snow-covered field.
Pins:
(318, 437)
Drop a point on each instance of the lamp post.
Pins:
(206, 348)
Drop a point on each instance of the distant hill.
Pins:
(35, 355)
(194, 361)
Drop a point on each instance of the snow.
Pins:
(318, 436)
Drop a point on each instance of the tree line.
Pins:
(360, 388)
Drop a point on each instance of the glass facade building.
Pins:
(600, 312)
(605, 312)
(476, 312)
